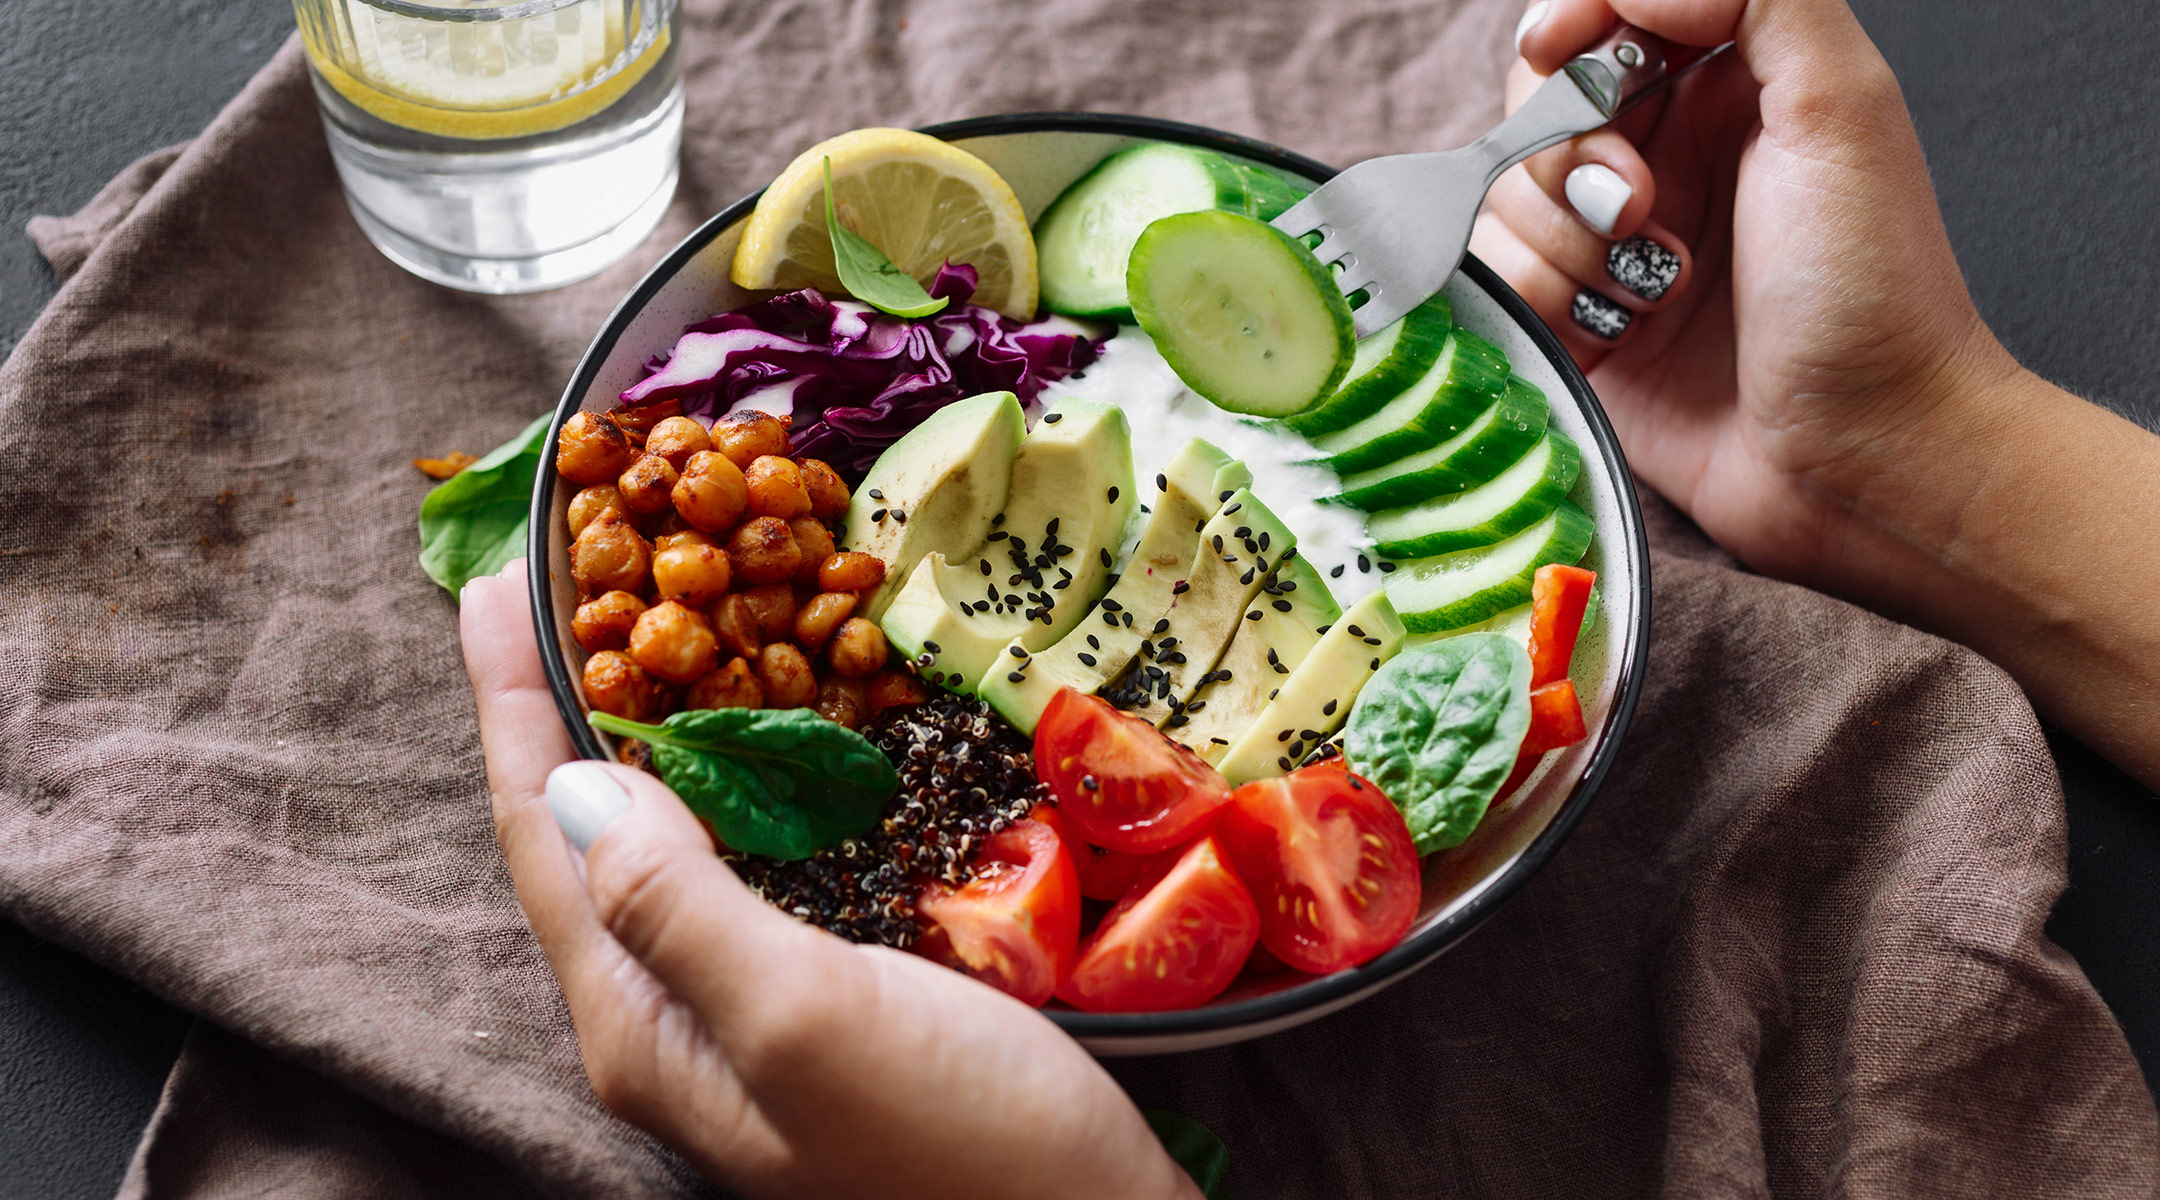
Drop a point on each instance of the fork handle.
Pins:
(1627, 67)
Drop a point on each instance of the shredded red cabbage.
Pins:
(855, 379)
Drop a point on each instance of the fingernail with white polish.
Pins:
(1598, 194)
(1531, 20)
(584, 798)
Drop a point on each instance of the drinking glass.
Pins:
(499, 145)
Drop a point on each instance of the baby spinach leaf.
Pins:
(784, 783)
(1438, 727)
(867, 274)
(1194, 1147)
(474, 522)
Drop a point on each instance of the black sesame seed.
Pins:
(1103, 555)
(1328, 709)
(1335, 572)
(1112, 494)
(1386, 567)
(1180, 588)
(1280, 605)
(1323, 629)
(1364, 563)
(1216, 541)
(1232, 510)
(1093, 643)
(1284, 736)
(1374, 665)
(1162, 483)
(1052, 418)
(1127, 618)
(1196, 706)
(1223, 497)
(932, 647)
(878, 515)
(876, 494)
(997, 520)
(1284, 763)
(1016, 651)
(1254, 615)
(1243, 532)
(1372, 641)
(1088, 782)
(1086, 659)
(1162, 624)
(899, 516)
(997, 535)
(1247, 577)
(1263, 539)
(1015, 677)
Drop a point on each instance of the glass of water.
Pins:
(500, 145)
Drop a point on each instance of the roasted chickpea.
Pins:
(674, 642)
(815, 542)
(710, 493)
(592, 450)
(776, 488)
(821, 616)
(695, 574)
(774, 607)
(610, 556)
(749, 435)
(895, 689)
(851, 571)
(604, 622)
(590, 503)
(647, 486)
(785, 675)
(763, 550)
(616, 685)
(858, 648)
(736, 624)
(828, 492)
(638, 422)
(732, 685)
(676, 439)
(839, 705)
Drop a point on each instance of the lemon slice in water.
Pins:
(922, 201)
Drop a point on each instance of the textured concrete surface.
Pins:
(2040, 123)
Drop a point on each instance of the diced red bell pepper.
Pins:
(1556, 718)
(1558, 598)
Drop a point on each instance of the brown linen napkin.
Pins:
(1795, 946)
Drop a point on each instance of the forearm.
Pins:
(2025, 523)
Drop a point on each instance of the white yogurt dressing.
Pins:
(1165, 415)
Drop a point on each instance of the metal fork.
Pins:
(1396, 228)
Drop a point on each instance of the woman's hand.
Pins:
(781, 1060)
(1756, 277)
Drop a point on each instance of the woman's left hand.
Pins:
(780, 1059)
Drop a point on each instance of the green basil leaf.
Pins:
(1438, 727)
(474, 522)
(784, 783)
(867, 274)
(1194, 1147)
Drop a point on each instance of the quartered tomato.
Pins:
(1330, 864)
(1119, 782)
(1016, 925)
(1176, 940)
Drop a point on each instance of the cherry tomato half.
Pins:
(1175, 941)
(1104, 874)
(1330, 864)
(1016, 925)
(1119, 782)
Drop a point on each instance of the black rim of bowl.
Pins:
(1414, 951)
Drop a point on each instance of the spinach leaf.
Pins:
(474, 522)
(867, 274)
(1438, 727)
(784, 783)
(1194, 1147)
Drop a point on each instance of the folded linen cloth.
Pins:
(1795, 946)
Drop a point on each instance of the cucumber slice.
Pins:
(1469, 376)
(1085, 238)
(1499, 436)
(1242, 311)
(1387, 363)
(1453, 590)
(1516, 499)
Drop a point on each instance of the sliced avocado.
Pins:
(1316, 696)
(935, 489)
(1042, 565)
(1095, 649)
(1279, 630)
(1239, 546)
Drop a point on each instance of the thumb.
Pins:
(660, 890)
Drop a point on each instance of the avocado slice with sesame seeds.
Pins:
(935, 489)
(1041, 565)
(1187, 492)
(1239, 547)
(1316, 696)
(1281, 626)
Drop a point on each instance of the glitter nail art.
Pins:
(1642, 266)
(1600, 316)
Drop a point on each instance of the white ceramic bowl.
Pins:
(1039, 154)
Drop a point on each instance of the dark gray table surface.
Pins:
(2042, 127)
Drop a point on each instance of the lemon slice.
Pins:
(921, 201)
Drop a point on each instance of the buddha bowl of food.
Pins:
(998, 537)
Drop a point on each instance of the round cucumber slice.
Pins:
(1243, 312)
(1085, 238)
(1387, 364)
(1516, 499)
(1450, 591)
(1498, 437)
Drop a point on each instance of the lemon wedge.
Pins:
(921, 201)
